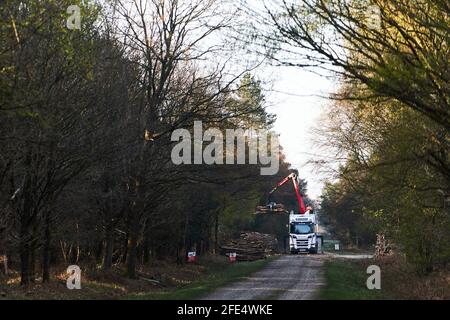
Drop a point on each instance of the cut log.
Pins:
(277, 208)
(250, 246)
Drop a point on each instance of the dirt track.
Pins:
(290, 277)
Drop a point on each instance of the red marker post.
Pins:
(232, 257)
(192, 257)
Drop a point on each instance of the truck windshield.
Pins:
(302, 228)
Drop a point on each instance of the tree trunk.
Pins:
(98, 250)
(24, 265)
(184, 248)
(216, 234)
(32, 267)
(107, 261)
(46, 250)
(5, 263)
(25, 232)
(132, 257)
(146, 248)
(125, 247)
(25, 246)
(132, 246)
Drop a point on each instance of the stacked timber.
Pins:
(251, 246)
(271, 208)
(382, 247)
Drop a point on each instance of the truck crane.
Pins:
(292, 177)
(303, 226)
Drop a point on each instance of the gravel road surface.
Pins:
(290, 277)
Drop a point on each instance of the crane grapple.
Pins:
(273, 207)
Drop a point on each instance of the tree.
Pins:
(387, 179)
(86, 117)
(389, 127)
(45, 119)
(393, 49)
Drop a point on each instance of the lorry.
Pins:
(303, 226)
(303, 233)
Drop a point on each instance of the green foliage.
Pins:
(395, 186)
(238, 214)
(424, 236)
(250, 96)
(347, 217)
(347, 281)
(390, 125)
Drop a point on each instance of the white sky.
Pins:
(297, 113)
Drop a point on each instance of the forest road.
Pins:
(290, 277)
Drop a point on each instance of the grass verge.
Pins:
(218, 274)
(346, 280)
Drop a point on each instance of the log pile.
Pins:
(382, 247)
(251, 246)
(271, 208)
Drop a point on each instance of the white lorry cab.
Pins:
(303, 233)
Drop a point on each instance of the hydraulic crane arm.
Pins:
(292, 177)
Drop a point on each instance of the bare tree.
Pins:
(396, 49)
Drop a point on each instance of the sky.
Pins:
(294, 99)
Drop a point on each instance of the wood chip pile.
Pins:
(251, 246)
